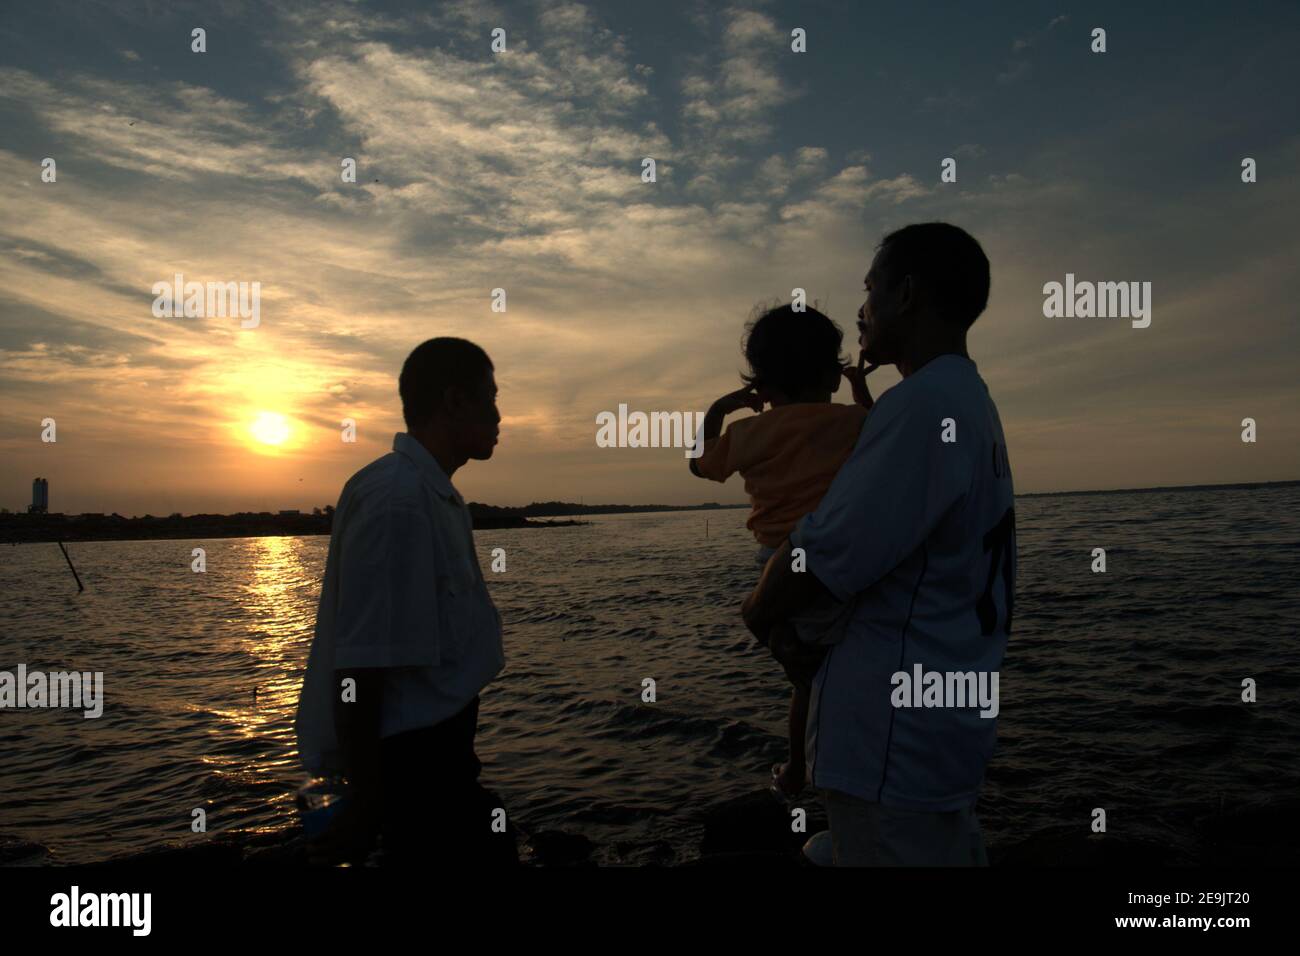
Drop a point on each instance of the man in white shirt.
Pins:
(406, 634)
(918, 531)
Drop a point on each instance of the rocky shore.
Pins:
(753, 830)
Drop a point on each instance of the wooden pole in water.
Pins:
(706, 527)
(80, 586)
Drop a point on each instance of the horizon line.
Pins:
(1218, 486)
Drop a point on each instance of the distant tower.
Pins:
(40, 497)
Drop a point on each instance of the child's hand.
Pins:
(741, 398)
(858, 380)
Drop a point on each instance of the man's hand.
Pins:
(350, 835)
(801, 661)
(781, 593)
(858, 380)
(356, 724)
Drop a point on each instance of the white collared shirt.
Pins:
(403, 591)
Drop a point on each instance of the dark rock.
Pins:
(291, 853)
(763, 861)
(745, 828)
(1070, 847)
(558, 848)
(1255, 835)
(15, 851)
(654, 853)
(207, 854)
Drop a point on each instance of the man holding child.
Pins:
(917, 534)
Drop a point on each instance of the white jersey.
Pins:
(918, 530)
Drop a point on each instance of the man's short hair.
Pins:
(947, 261)
(432, 368)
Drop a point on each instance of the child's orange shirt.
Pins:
(788, 456)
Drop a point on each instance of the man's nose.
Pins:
(862, 312)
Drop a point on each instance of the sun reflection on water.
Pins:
(277, 603)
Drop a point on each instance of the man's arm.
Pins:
(356, 724)
(351, 832)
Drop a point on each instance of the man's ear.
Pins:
(453, 400)
(906, 294)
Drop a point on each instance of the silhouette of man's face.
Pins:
(479, 421)
(882, 324)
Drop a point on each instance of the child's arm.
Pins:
(858, 381)
(731, 402)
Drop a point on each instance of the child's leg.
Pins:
(799, 663)
(792, 776)
(797, 769)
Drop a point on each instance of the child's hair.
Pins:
(791, 351)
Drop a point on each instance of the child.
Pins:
(788, 457)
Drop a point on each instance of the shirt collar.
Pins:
(430, 470)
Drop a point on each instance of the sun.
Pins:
(270, 428)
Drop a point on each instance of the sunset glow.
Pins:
(270, 428)
(213, 261)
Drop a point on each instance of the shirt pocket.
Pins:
(457, 617)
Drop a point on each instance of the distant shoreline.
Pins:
(34, 529)
(1134, 491)
(47, 528)
(31, 529)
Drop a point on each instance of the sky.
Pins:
(522, 170)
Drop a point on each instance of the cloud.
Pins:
(777, 174)
(1015, 70)
(731, 99)
(1030, 40)
(522, 171)
(488, 174)
(1018, 67)
(171, 131)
